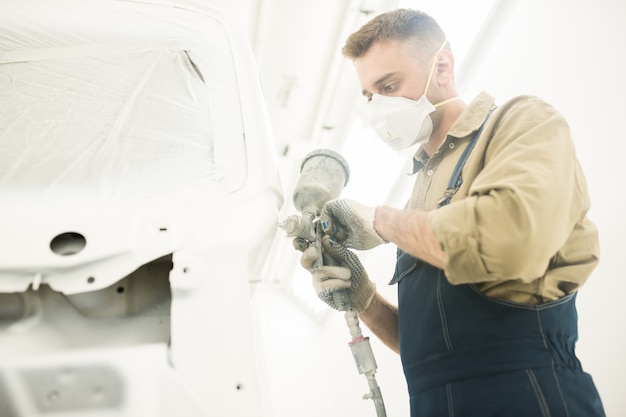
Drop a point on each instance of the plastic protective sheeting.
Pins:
(112, 118)
(114, 101)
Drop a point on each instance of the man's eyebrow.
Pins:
(379, 82)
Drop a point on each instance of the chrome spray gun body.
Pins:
(323, 174)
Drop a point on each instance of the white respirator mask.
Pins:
(401, 122)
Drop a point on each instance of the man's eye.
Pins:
(388, 88)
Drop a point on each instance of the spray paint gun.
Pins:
(323, 174)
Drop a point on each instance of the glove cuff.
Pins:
(363, 295)
(374, 226)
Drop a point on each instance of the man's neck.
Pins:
(450, 112)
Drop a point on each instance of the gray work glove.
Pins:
(341, 269)
(350, 224)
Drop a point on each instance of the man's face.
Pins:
(391, 69)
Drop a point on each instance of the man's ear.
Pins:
(444, 69)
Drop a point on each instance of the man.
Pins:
(492, 245)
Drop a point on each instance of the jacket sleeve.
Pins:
(522, 206)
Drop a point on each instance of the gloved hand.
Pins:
(341, 269)
(350, 224)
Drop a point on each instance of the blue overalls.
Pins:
(468, 355)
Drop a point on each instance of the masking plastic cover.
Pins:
(114, 99)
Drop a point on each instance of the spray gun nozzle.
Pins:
(299, 226)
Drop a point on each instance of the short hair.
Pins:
(398, 24)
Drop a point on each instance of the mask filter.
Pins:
(401, 122)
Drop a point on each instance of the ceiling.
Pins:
(309, 87)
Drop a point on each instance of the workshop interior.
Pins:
(159, 156)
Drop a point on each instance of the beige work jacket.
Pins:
(517, 227)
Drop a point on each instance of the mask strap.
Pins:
(441, 103)
(432, 67)
(430, 76)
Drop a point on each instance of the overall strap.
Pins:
(456, 180)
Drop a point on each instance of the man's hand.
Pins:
(350, 224)
(342, 269)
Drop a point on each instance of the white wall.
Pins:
(569, 52)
